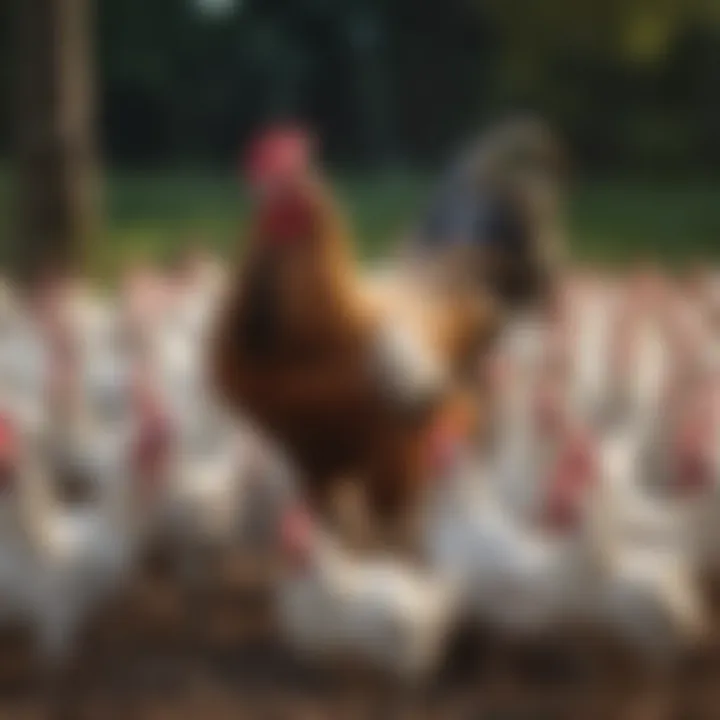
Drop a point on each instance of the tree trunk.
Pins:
(56, 171)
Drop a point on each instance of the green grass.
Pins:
(151, 215)
(622, 221)
(610, 221)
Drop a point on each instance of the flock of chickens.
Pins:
(592, 500)
(109, 443)
(556, 464)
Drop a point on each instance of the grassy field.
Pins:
(610, 221)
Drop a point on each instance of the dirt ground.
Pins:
(162, 653)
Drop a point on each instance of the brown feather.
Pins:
(311, 388)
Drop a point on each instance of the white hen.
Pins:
(332, 604)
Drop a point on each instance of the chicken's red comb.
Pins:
(8, 453)
(692, 446)
(444, 449)
(581, 457)
(8, 437)
(151, 449)
(499, 370)
(574, 473)
(278, 153)
(693, 473)
(296, 534)
(548, 411)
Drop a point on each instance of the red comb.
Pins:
(693, 472)
(498, 369)
(296, 535)
(622, 344)
(548, 411)
(151, 449)
(151, 452)
(8, 438)
(278, 153)
(580, 457)
(692, 464)
(445, 445)
(447, 435)
(572, 476)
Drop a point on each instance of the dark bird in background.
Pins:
(497, 213)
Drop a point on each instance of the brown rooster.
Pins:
(299, 338)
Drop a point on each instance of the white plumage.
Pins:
(594, 497)
(390, 615)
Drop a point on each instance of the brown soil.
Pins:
(161, 653)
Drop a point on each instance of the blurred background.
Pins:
(156, 98)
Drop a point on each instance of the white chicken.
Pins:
(573, 564)
(206, 486)
(89, 543)
(192, 299)
(647, 592)
(55, 561)
(512, 573)
(24, 373)
(178, 365)
(23, 514)
(331, 604)
(89, 536)
(693, 472)
(638, 513)
(531, 409)
(590, 363)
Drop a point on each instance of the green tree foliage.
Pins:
(632, 82)
(628, 78)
